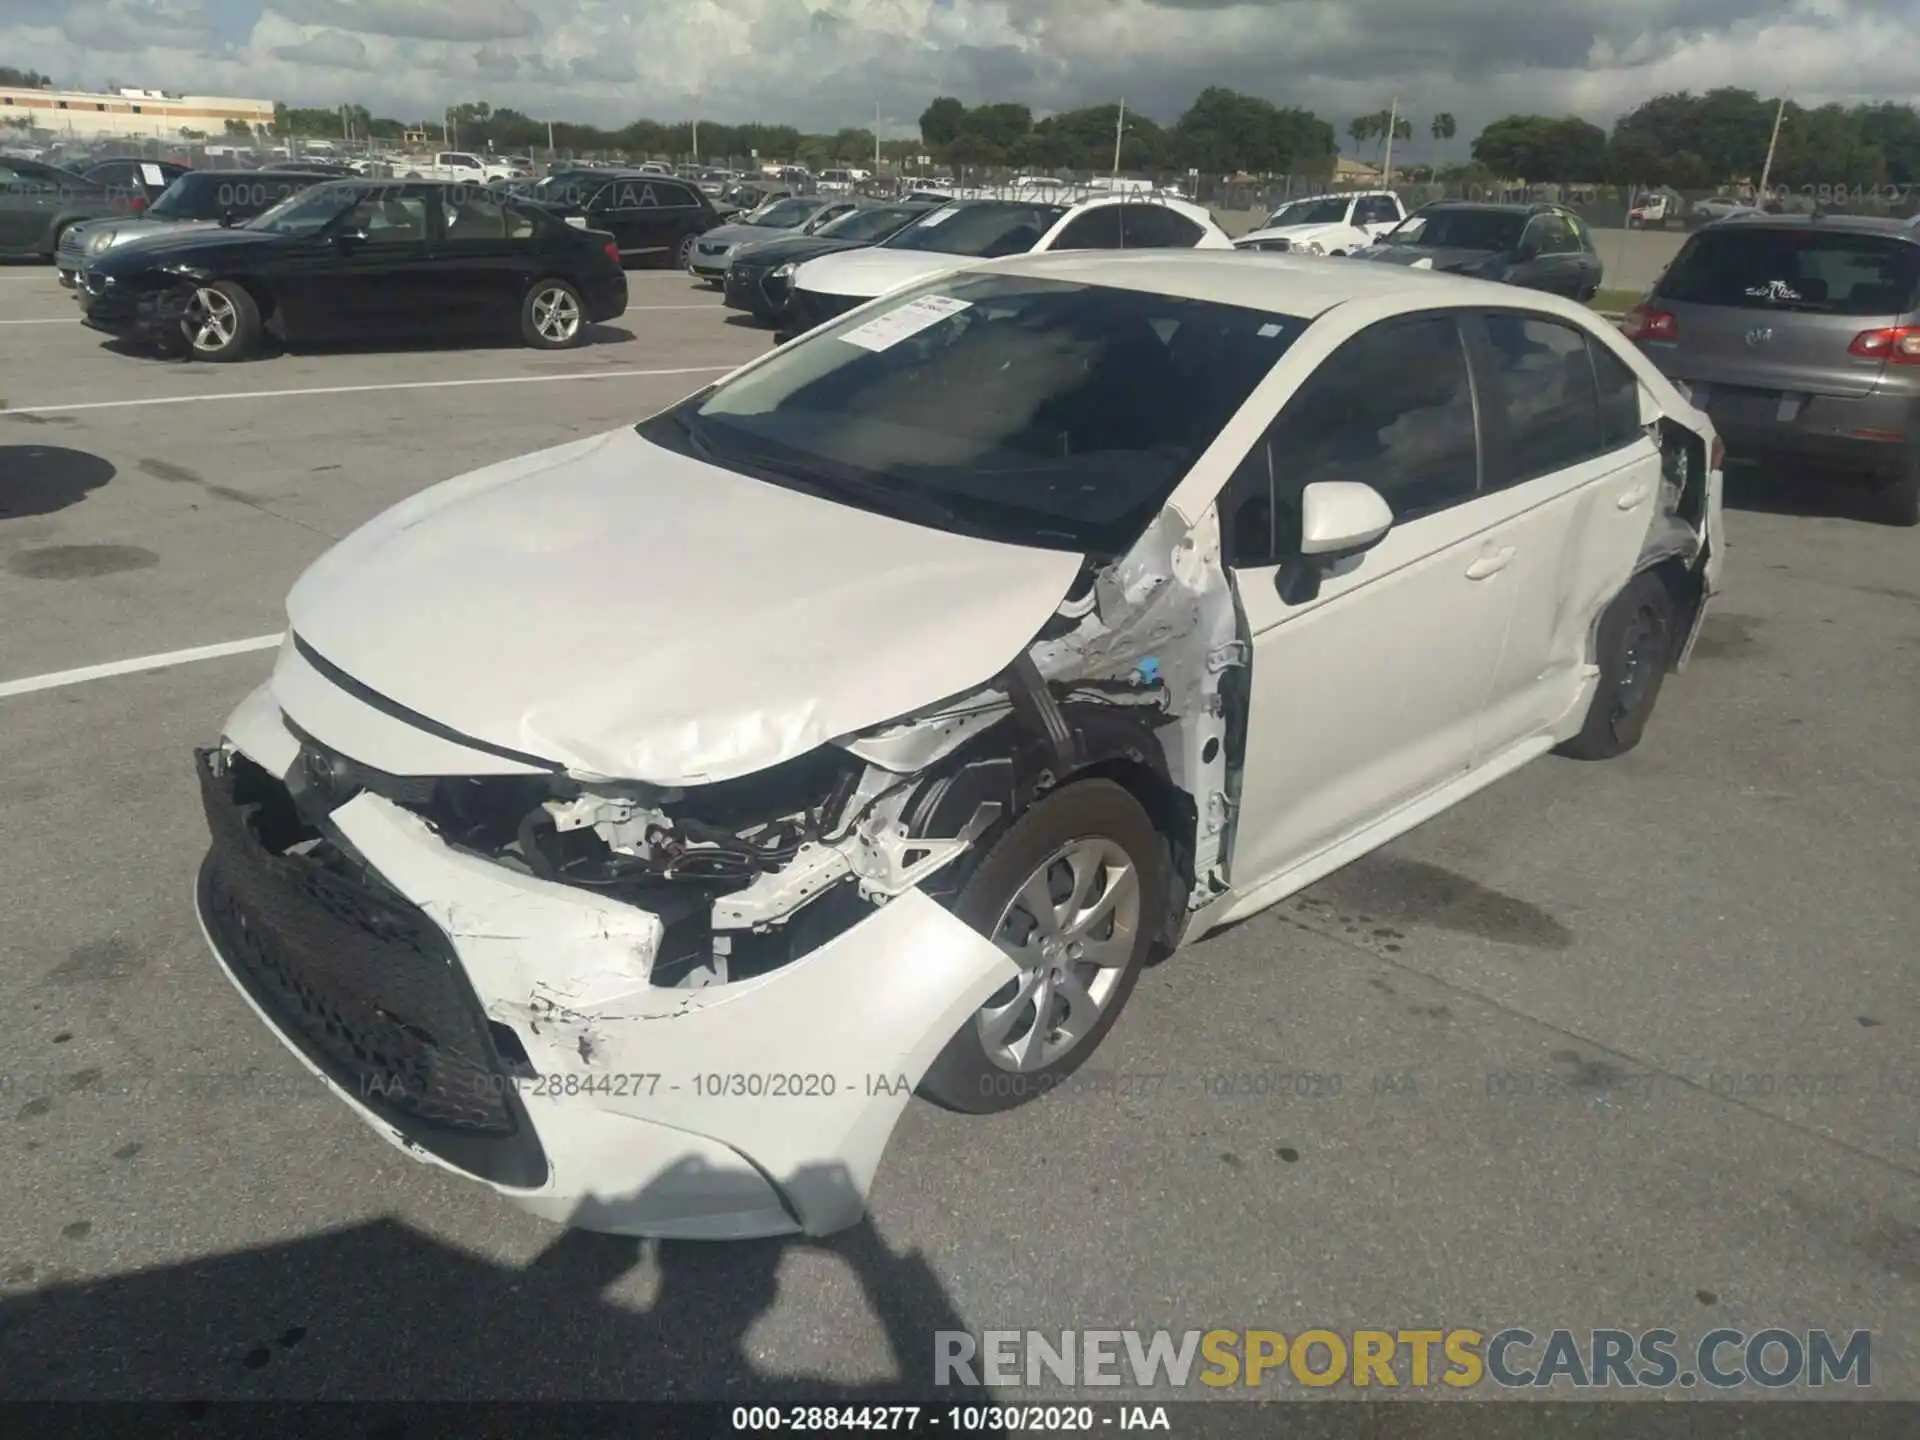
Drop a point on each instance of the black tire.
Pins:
(1633, 647)
(683, 257)
(238, 321)
(1900, 501)
(964, 1077)
(544, 322)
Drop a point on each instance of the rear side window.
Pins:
(1146, 227)
(1096, 229)
(1619, 397)
(1826, 272)
(1544, 380)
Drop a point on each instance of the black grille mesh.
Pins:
(362, 981)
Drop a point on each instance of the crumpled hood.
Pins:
(873, 271)
(628, 612)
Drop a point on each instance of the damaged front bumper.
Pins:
(507, 1027)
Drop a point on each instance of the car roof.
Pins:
(1856, 224)
(1276, 282)
(1493, 207)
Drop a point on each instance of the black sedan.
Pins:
(1539, 247)
(760, 275)
(39, 203)
(360, 260)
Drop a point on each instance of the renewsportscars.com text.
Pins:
(1511, 1358)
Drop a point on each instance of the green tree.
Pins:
(1224, 131)
(940, 123)
(1560, 148)
(1443, 128)
(238, 129)
(24, 79)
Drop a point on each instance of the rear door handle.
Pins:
(1634, 497)
(1490, 564)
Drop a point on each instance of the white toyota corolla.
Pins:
(634, 826)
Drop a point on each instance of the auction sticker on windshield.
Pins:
(909, 319)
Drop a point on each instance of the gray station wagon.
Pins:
(1801, 338)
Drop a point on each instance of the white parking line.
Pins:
(364, 389)
(55, 320)
(58, 678)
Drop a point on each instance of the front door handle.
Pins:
(1491, 564)
(1635, 497)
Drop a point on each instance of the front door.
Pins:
(1366, 694)
(366, 277)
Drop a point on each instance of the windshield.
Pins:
(782, 214)
(1824, 272)
(308, 212)
(874, 224)
(193, 197)
(983, 229)
(1460, 230)
(1030, 412)
(1330, 211)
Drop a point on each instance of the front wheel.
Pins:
(221, 322)
(1071, 893)
(552, 316)
(1633, 647)
(683, 257)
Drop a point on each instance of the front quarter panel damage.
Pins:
(799, 1075)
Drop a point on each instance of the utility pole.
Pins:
(1766, 171)
(876, 139)
(1119, 134)
(549, 141)
(1393, 124)
(696, 138)
(446, 129)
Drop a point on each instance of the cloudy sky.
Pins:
(827, 63)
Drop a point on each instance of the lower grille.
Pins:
(362, 981)
(810, 308)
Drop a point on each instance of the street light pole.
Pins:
(1119, 133)
(1766, 170)
(1386, 163)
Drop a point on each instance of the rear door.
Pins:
(1146, 226)
(1769, 311)
(481, 260)
(1096, 228)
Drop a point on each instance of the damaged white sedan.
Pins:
(635, 826)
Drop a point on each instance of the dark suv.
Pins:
(1539, 247)
(1801, 338)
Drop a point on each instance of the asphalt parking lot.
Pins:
(1633, 1045)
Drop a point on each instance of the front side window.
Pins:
(1543, 380)
(389, 220)
(1391, 408)
(1031, 412)
(984, 230)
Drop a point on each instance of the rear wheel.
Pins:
(683, 257)
(1633, 647)
(552, 316)
(1070, 894)
(221, 322)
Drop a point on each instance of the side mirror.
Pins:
(1341, 518)
(228, 217)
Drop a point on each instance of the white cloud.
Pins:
(330, 49)
(780, 60)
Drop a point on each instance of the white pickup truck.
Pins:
(456, 165)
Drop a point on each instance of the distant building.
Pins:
(1355, 172)
(129, 114)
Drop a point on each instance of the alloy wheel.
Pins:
(211, 320)
(1071, 928)
(556, 314)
